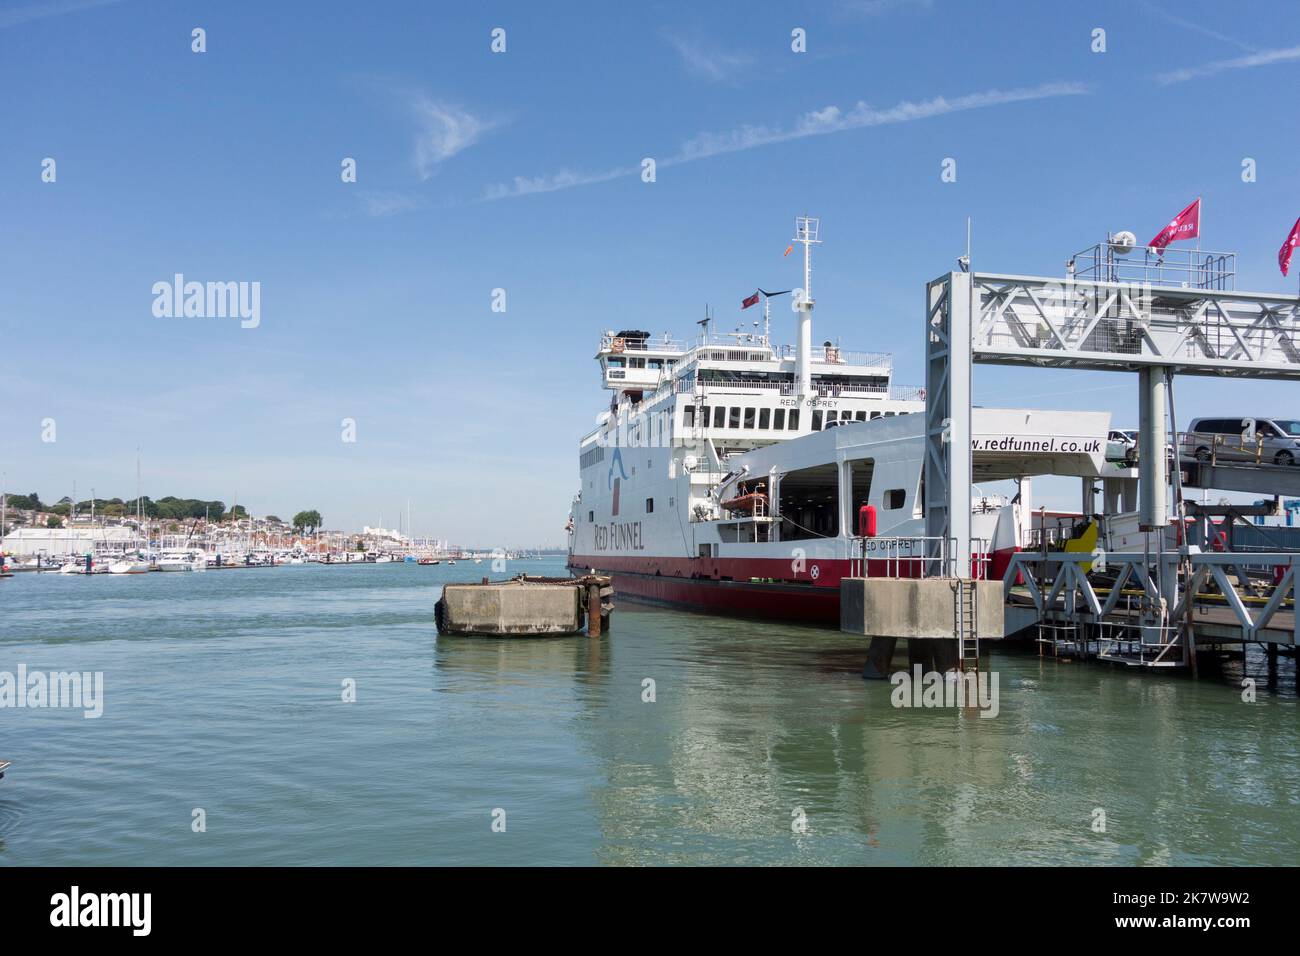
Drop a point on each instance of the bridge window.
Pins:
(794, 420)
(733, 420)
(765, 418)
(895, 498)
(817, 420)
(861, 416)
(778, 418)
(719, 416)
(688, 416)
(749, 418)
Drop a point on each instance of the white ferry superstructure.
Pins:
(733, 475)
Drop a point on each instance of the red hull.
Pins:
(789, 602)
(751, 587)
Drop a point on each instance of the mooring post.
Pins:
(880, 655)
(593, 610)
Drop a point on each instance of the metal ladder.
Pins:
(964, 625)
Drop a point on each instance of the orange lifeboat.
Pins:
(754, 503)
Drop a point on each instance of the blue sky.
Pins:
(519, 171)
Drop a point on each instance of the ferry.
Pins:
(733, 475)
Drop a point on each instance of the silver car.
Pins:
(1265, 440)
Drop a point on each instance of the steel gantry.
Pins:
(1155, 330)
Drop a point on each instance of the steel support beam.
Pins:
(1153, 465)
(948, 421)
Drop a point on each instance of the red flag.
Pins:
(752, 300)
(1185, 225)
(1288, 247)
(787, 251)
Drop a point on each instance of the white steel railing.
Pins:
(914, 556)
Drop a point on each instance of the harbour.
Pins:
(647, 436)
(749, 721)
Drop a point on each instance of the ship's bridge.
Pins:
(634, 363)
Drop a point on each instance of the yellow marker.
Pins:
(1086, 542)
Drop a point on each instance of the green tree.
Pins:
(53, 522)
(310, 520)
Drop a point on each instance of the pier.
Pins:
(1145, 588)
(526, 606)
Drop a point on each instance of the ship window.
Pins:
(649, 506)
(614, 362)
(894, 498)
(875, 415)
(591, 516)
(765, 418)
(636, 363)
(734, 418)
(817, 420)
(688, 416)
(749, 418)
(810, 503)
(655, 363)
(794, 420)
(861, 416)
(778, 418)
(719, 416)
(830, 418)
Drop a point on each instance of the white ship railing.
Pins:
(914, 556)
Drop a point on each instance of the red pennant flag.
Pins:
(752, 300)
(1288, 247)
(787, 251)
(1185, 225)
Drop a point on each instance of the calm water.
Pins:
(223, 692)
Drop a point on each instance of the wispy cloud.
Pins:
(564, 179)
(704, 61)
(444, 131)
(821, 122)
(875, 8)
(379, 204)
(1262, 58)
(1194, 26)
(51, 8)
